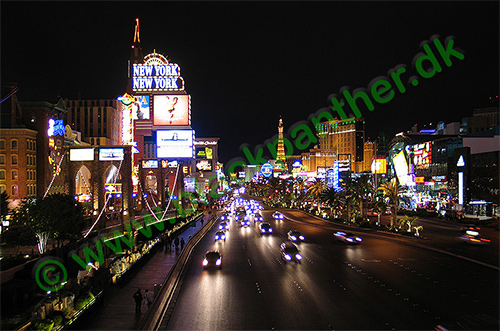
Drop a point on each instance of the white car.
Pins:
(278, 216)
(347, 237)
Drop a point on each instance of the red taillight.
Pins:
(475, 240)
(487, 240)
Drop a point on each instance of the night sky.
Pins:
(246, 63)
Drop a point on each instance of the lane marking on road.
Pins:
(249, 263)
(374, 261)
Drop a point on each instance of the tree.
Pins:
(315, 190)
(362, 188)
(391, 191)
(334, 199)
(56, 216)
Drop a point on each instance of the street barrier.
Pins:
(156, 313)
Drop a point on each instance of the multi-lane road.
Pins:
(381, 283)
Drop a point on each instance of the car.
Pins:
(265, 228)
(295, 235)
(470, 227)
(278, 216)
(220, 235)
(290, 252)
(245, 223)
(347, 237)
(212, 259)
(474, 238)
(223, 226)
(258, 218)
(224, 217)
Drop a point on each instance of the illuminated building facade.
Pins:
(340, 140)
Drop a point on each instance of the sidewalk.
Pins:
(117, 311)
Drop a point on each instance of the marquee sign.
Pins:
(156, 74)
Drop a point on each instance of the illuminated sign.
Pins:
(419, 180)
(81, 154)
(420, 154)
(266, 169)
(330, 177)
(205, 142)
(150, 164)
(172, 109)
(156, 74)
(401, 167)
(56, 128)
(111, 154)
(140, 107)
(174, 143)
(204, 165)
(241, 174)
(204, 153)
(297, 164)
(379, 166)
(461, 162)
(335, 176)
(189, 184)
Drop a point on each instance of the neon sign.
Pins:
(156, 74)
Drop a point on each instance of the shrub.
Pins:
(45, 324)
(58, 319)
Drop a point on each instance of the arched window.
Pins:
(13, 144)
(15, 190)
(2, 143)
(2, 159)
(14, 158)
(14, 175)
(2, 174)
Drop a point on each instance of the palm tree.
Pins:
(334, 199)
(315, 190)
(362, 187)
(391, 191)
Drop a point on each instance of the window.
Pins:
(14, 175)
(2, 174)
(3, 188)
(2, 143)
(2, 159)
(15, 190)
(13, 144)
(14, 158)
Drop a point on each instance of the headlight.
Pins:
(222, 217)
(349, 240)
(218, 262)
(358, 239)
(298, 256)
(263, 230)
(216, 237)
(223, 237)
(270, 230)
(205, 262)
(288, 257)
(301, 237)
(293, 238)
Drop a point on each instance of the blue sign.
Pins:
(266, 169)
(297, 164)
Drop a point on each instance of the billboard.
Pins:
(111, 154)
(174, 143)
(379, 166)
(204, 153)
(204, 165)
(172, 109)
(140, 107)
(150, 164)
(401, 167)
(81, 154)
(190, 184)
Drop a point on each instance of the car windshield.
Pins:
(291, 250)
(212, 256)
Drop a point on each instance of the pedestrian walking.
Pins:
(138, 301)
(149, 300)
(182, 243)
(176, 242)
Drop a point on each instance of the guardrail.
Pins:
(155, 314)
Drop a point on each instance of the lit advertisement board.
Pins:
(148, 164)
(172, 109)
(204, 165)
(111, 154)
(174, 143)
(401, 167)
(204, 153)
(379, 166)
(156, 74)
(81, 154)
(190, 184)
(140, 107)
(420, 154)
